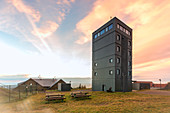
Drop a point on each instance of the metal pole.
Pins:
(160, 83)
(9, 92)
(19, 93)
(26, 90)
(31, 90)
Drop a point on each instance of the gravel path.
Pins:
(155, 92)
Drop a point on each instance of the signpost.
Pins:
(160, 83)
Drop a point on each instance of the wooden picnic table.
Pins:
(54, 96)
(80, 94)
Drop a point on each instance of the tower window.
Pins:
(110, 60)
(129, 43)
(118, 49)
(127, 32)
(121, 28)
(95, 64)
(129, 73)
(130, 53)
(118, 60)
(124, 30)
(129, 63)
(98, 34)
(118, 26)
(111, 26)
(102, 32)
(110, 72)
(95, 36)
(95, 74)
(118, 37)
(118, 71)
(106, 29)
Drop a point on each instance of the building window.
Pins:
(110, 60)
(30, 84)
(129, 73)
(121, 28)
(106, 29)
(118, 49)
(124, 30)
(102, 32)
(111, 26)
(118, 60)
(118, 71)
(129, 43)
(98, 34)
(110, 72)
(95, 64)
(118, 26)
(95, 74)
(129, 63)
(118, 37)
(127, 32)
(95, 36)
(130, 53)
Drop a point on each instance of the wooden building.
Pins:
(40, 84)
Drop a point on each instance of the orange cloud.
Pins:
(46, 30)
(101, 13)
(21, 7)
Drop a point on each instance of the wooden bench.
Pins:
(80, 94)
(54, 96)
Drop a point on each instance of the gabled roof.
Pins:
(56, 82)
(45, 82)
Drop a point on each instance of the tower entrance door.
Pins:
(103, 87)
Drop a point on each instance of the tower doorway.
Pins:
(103, 87)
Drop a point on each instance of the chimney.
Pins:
(54, 78)
(39, 77)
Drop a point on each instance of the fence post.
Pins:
(26, 90)
(9, 92)
(19, 93)
(31, 90)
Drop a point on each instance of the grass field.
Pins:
(100, 102)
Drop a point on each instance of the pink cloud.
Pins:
(28, 10)
(100, 13)
(46, 29)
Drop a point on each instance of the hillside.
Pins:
(100, 102)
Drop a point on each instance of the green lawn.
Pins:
(100, 102)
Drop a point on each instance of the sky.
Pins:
(52, 38)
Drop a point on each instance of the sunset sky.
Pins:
(53, 37)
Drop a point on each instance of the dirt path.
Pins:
(155, 92)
